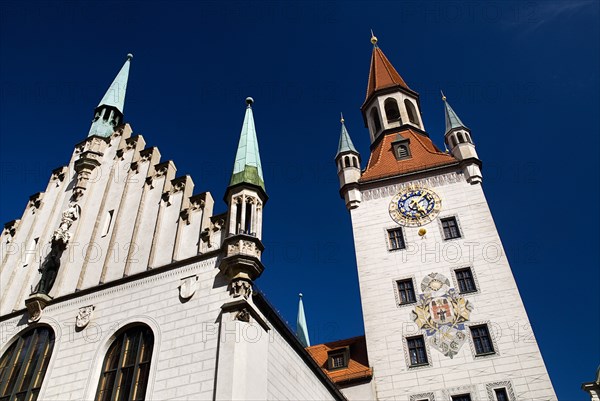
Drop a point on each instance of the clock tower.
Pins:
(442, 312)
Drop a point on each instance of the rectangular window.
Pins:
(482, 340)
(417, 351)
(465, 280)
(338, 358)
(501, 394)
(450, 227)
(406, 291)
(396, 239)
(461, 397)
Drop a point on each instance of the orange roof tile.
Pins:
(358, 365)
(424, 155)
(382, 74)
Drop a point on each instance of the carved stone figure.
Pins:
(49, 270)
(241, 288)
(62, 234)
(243, 315)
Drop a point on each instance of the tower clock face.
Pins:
(415, 207)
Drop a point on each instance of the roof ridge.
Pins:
(424, 146)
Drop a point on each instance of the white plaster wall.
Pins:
(289, 378)
(498, 301)
(360, 392)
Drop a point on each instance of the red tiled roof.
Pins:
(358, 365)
(382, 74)
(424, 155)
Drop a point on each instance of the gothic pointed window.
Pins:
(392, 112)
(126, 366)
(375, 119)
(411, 111)
(24, 365)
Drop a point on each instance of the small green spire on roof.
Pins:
(301, 326)
(115, 95)
(247, 167)
(345, 144)
(452, 120)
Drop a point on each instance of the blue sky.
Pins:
(522, 75)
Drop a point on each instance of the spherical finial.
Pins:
(443, 96)
(342, 118)
(300, 295)
(249, 101)
(373, 38)
(129, 56)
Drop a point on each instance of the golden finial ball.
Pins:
(374, 40)
(422, 232)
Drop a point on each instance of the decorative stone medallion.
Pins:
(442, 312)
(84, 316)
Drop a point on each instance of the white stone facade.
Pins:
(140, 248)
(516, 363)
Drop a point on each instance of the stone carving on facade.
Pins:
(35, 201)
(243, 315)
(188, 287)
(84, 316)
(62, 234)
(243, 247)
(58, 175)
(89, 159)
(10, 230)
(49, 270)
(442, 312)
(241, 288)
(35, 305)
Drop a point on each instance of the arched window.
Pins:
(461, 139)
(468, 137)
(375, 118)
(347, 161)
(126, 366)
(354, 162)
(452, 141)
(412, 112)
(24, 364)
(391, 110)
(402, 152)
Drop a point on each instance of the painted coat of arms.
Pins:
(442, 313)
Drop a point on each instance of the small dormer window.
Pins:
(401, 148)
(338, 359)
(392, 112)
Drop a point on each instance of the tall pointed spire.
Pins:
(452, 120)
(115, 95)
(109, 112)
(345, 144)
(247, 167)
(301, 326)
(382, 73)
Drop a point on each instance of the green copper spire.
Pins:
(301, 326)
(247, 167)
(452, 120)
(115, 95)
(109, 112)
(345, 144)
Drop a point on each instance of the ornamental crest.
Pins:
(442, 312)
(84, 316)
(188, 286)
